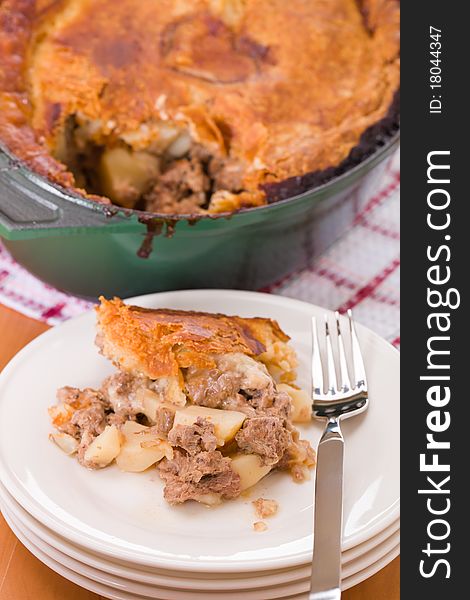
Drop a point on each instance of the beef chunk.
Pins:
(91, 419)
(227, 174)
(78, 399)
(281, 406)
(238, 382)
(195, 438)
(87, 417)
(79, 410)
(265, 436)
(90, 422)
(86, 439)
(119, 419)
(120, 390)
(270, 402)
(164, 420)
(298, 458)
(183, 187)
(189, 477)
(211, 387)
(240, 404)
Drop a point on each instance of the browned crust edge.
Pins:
(157, 342)
(20, 139)
(373, 138)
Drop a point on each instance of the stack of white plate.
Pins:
(113, 533)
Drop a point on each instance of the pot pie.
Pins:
(207, 398)
(196, 106)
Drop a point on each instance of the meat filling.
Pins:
(180, 178)
(183, 187)
(120, 390)
(195, 438)
(238, 383)
(189, 477)
(212, 388)
(243, 384)
(164, 420)
(265, 436)
(78, 410)
(198, 470)
(81, 414)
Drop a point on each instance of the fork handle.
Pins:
(329, 595)
(328, 519)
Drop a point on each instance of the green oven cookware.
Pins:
(87, 249)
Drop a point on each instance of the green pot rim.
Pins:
(117, 219)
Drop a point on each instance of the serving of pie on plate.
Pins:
(210, 399)
(195, 106)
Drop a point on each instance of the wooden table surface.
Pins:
(23, 577)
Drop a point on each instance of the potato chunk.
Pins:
(66, 443)
(181, 146)
(104, 448)
(151, 402)
(141, 448)
(226, 422)
(301, 403)
(125, 174)
(250, 468)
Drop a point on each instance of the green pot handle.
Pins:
(31, 206)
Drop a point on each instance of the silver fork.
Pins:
(334, 398)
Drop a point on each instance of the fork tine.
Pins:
(330, 361)
(345, 383)
(358, 363)
(317, 370)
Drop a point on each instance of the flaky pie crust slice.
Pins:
(159, 342)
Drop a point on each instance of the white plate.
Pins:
(355, 559)
(124, 515)
(127, 588)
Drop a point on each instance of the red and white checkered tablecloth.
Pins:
(361, 270)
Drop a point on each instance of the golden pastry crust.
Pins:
(280, 88)
(158, 342)
(16, 24)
